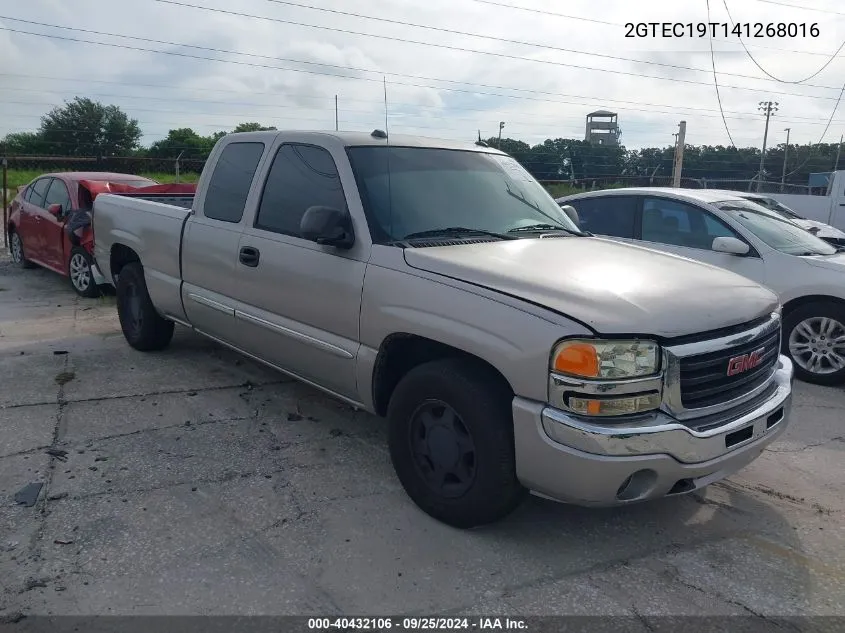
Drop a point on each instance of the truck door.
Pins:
(299, 302)
(837, 201)
(210, 242)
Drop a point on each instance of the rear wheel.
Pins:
(451, 442)
(79, 269)
(814, 339)
(16, 250)
(143, 327)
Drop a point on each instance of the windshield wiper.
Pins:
(533, 228)
(457, 231)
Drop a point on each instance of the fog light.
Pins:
(615, 406)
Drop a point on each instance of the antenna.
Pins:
(387, 146)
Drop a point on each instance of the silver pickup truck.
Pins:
(438, 285)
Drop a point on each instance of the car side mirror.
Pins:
(55, 209)
(328, 226)
(814, 230)
(572, 213)
(730, 245)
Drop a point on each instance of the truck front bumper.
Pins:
(567, 458)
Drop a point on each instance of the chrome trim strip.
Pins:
(299, 336)
(210, 303)
(672, 356)
(661, 434)
(334, 394)
(560, 384)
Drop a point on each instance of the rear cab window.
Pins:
(231, 180)
(614, 216)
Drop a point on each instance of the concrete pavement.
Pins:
(196, 481)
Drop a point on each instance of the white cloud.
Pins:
(283, 74)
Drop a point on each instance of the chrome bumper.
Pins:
(570, 459)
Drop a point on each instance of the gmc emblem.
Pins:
(740, 364)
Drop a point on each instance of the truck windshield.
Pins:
(782, 235)
(414, 191)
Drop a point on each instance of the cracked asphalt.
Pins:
(197, 482)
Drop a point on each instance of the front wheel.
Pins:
(814, 339)
(451, 442)
(143, 327)
(80, 270)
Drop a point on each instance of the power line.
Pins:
(794, 6)
(682, 109)
(471, 50)
(766, 72)
(326, 65)
(716, 80)
(619, 24)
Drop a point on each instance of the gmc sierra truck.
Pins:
(437, 284)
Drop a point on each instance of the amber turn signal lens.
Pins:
(577, 359)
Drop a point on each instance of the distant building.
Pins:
(602, 128)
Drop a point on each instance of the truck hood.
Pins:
(824, 230)
(611, 287)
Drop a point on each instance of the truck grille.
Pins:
(706, 379)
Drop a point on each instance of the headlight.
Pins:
(587, 358)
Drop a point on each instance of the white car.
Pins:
(726, 230)
(828, 233)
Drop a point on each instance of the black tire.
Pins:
(16, 251)
(80, 271)
(482, 404)
(143, 327)
(811, 316)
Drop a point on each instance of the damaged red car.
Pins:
(50, 221)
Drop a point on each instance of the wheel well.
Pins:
(789, 306)
(400, 353)
(120, 256)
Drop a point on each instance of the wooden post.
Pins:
(5, 210)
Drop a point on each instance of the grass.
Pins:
(20, 177)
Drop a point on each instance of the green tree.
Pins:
(251, 127)
(84, 127)
(183, 140)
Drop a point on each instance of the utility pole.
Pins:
(838, 150)
(336, 122)
(768, 108)
(678, 164)
(785, 154)
(501, 127)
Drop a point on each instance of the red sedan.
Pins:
(50, 222)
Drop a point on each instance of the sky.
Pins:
(454, 69)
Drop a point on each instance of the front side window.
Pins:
(410, 190)
(676, 223)
(612, 215)
(302, 176)
(782, 235)
(231, 181)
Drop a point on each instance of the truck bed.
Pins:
(153, 229)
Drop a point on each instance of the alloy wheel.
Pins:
(817, 345)
(80, 272)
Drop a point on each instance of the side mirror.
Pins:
(55, 209)
(730, 245)
(572, 213)
(327, 225)
(814, 230)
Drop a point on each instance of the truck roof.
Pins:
(357, 139)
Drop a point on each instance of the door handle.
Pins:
(249, 256)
